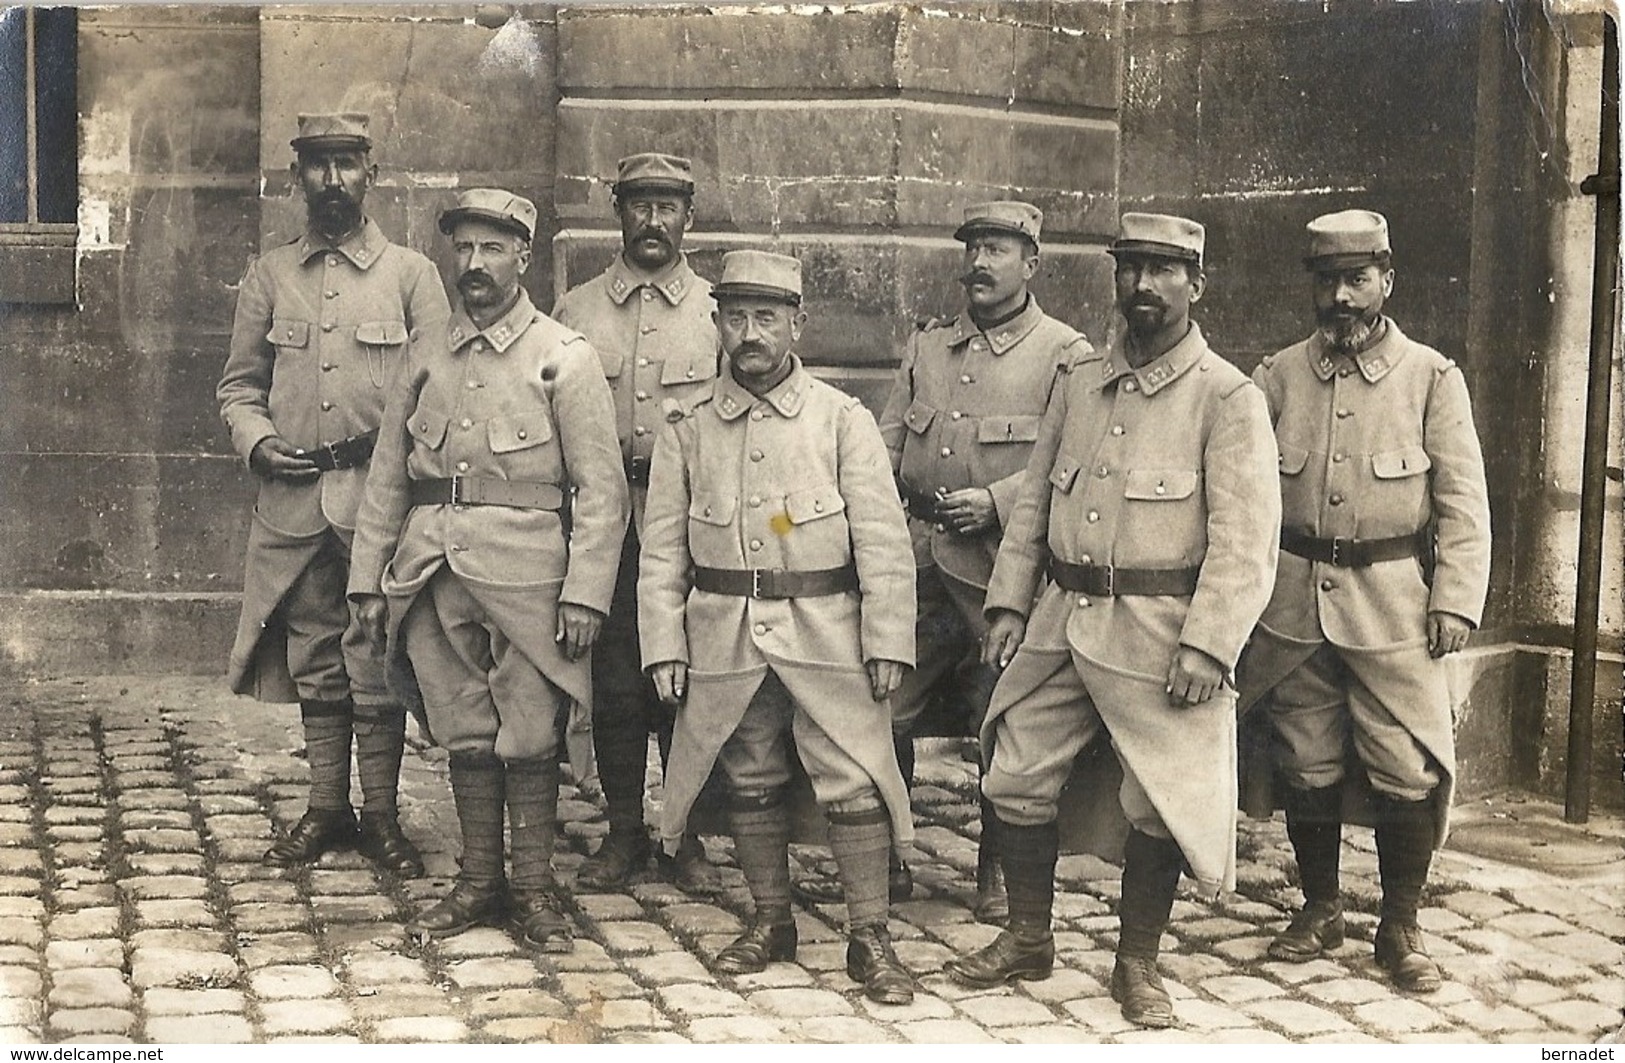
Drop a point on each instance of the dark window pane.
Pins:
(57, 128)
(13, 115)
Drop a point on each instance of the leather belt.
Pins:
(345, 454)
(488, 491)
(775, 582)
(637, 471)
(1356, 553)
(1109, 581)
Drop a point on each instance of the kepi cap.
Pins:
(346, 129)
(493, 205)
(762, 274)
(1165, 235)
(1008, 216)
(653, 171)
(1346, 239)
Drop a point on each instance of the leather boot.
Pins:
(536, 916)
(1151, 868)
(621, 857)
(690, 870)
(1405, 831)
(384, 843)
(1025, 950)
(870, 959)
(992, 902)
(380, 742)
(1314, 826)
(759, 945)
(479, 897)
(317, 831)
(532, 797)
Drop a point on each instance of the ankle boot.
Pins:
(532, 793)
(871, 960)
(477, 787)
(1151, 868)
(1314, 826)
(761, 829)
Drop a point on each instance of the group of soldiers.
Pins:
(556, 536)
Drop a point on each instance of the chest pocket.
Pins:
(1063, 474)
(676, 371)
(813, 503)
(1160, 485)
(1398, 464)
(1292, 459)
(519, 431)
(919, 417)
(712, 507)
(1007, 430)
(428, 427)
(287, 333)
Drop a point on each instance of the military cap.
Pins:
(651, 171)
(759, 273)
(1346, 239)
(1160, 234)
(1005, 216)
(493, 205)
(347, 129)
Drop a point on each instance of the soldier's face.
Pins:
(335, 183)
(490, 261)
(652, 227)
(997, 267)
(1348, 303)
(757, 335)
(1155, 293)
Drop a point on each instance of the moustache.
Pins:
(475, 277)
(751, 347)
(1150, 302)
(976, 276)
(653, 234)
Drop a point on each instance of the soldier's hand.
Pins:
(884, 677)
(670, 680)
(1003, 638)
(1193, 677)
(1447, 633)
(578, 629)
(369, 612)
(968, 511)
(277, 459)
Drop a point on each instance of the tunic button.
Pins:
(707, 511)
(642, 362)
(640, 431)
(947, 452)
(456, 549)
(330, 294)
(462, 466)
(756, 455)
(327, 405)
(818, 507)
(327, 367)
(332, 260)
(328, 327)
(646, 329)
(756, 544)
(1130, 386)
(1344, 372)
(1161, 490)
(689, 372)
(647, 295)
(1327, 585)
(1103, 472)
(760, 629)
(756, 415)
(1337, 458)
(1084, 560)
(466, 423)
(1345, 413)
(1117, 429)
(964, 378)
(472, 384)
(1084, 603)
(956, 415)
(1093, 516)
(1336, 500)
(642, 396)
(522, 434)
(756, 501)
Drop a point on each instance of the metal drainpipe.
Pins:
(1604, 184)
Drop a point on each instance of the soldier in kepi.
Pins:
(320, 332)
(959, 426)
(1385, 555)
(1151, 502)
(496, 421)
(649, 316)
(776, 609)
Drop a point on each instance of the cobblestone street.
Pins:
(133, 906)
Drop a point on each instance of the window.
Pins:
(39, 159)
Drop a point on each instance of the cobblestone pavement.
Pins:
(133, 906)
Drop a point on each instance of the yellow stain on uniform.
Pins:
(781, 524)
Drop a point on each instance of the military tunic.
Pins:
(963, 412)
(319, 333)
(1375, 446)
(523, 399)
(797, 480)
(1163, 467)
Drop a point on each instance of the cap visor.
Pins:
(964, 232)
(1153, 247)
(450, 218)
(650, 184)
(754, 291)
(332, 140)
(1345, 260)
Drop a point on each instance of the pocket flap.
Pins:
(1160, 485)
(428, 428)
(919, 417)
(517, 431)
(1022, 429)
(387, 333)
(675, 371)
(712, 507)
(1398, 464)
(813, 502)
(1064, 471)
(1292, 459)
(610, 360)
(285, 333)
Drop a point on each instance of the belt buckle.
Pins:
(1111, 580)
(457, 491)
(755, 583)
(332, 454)
(1338, 546)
